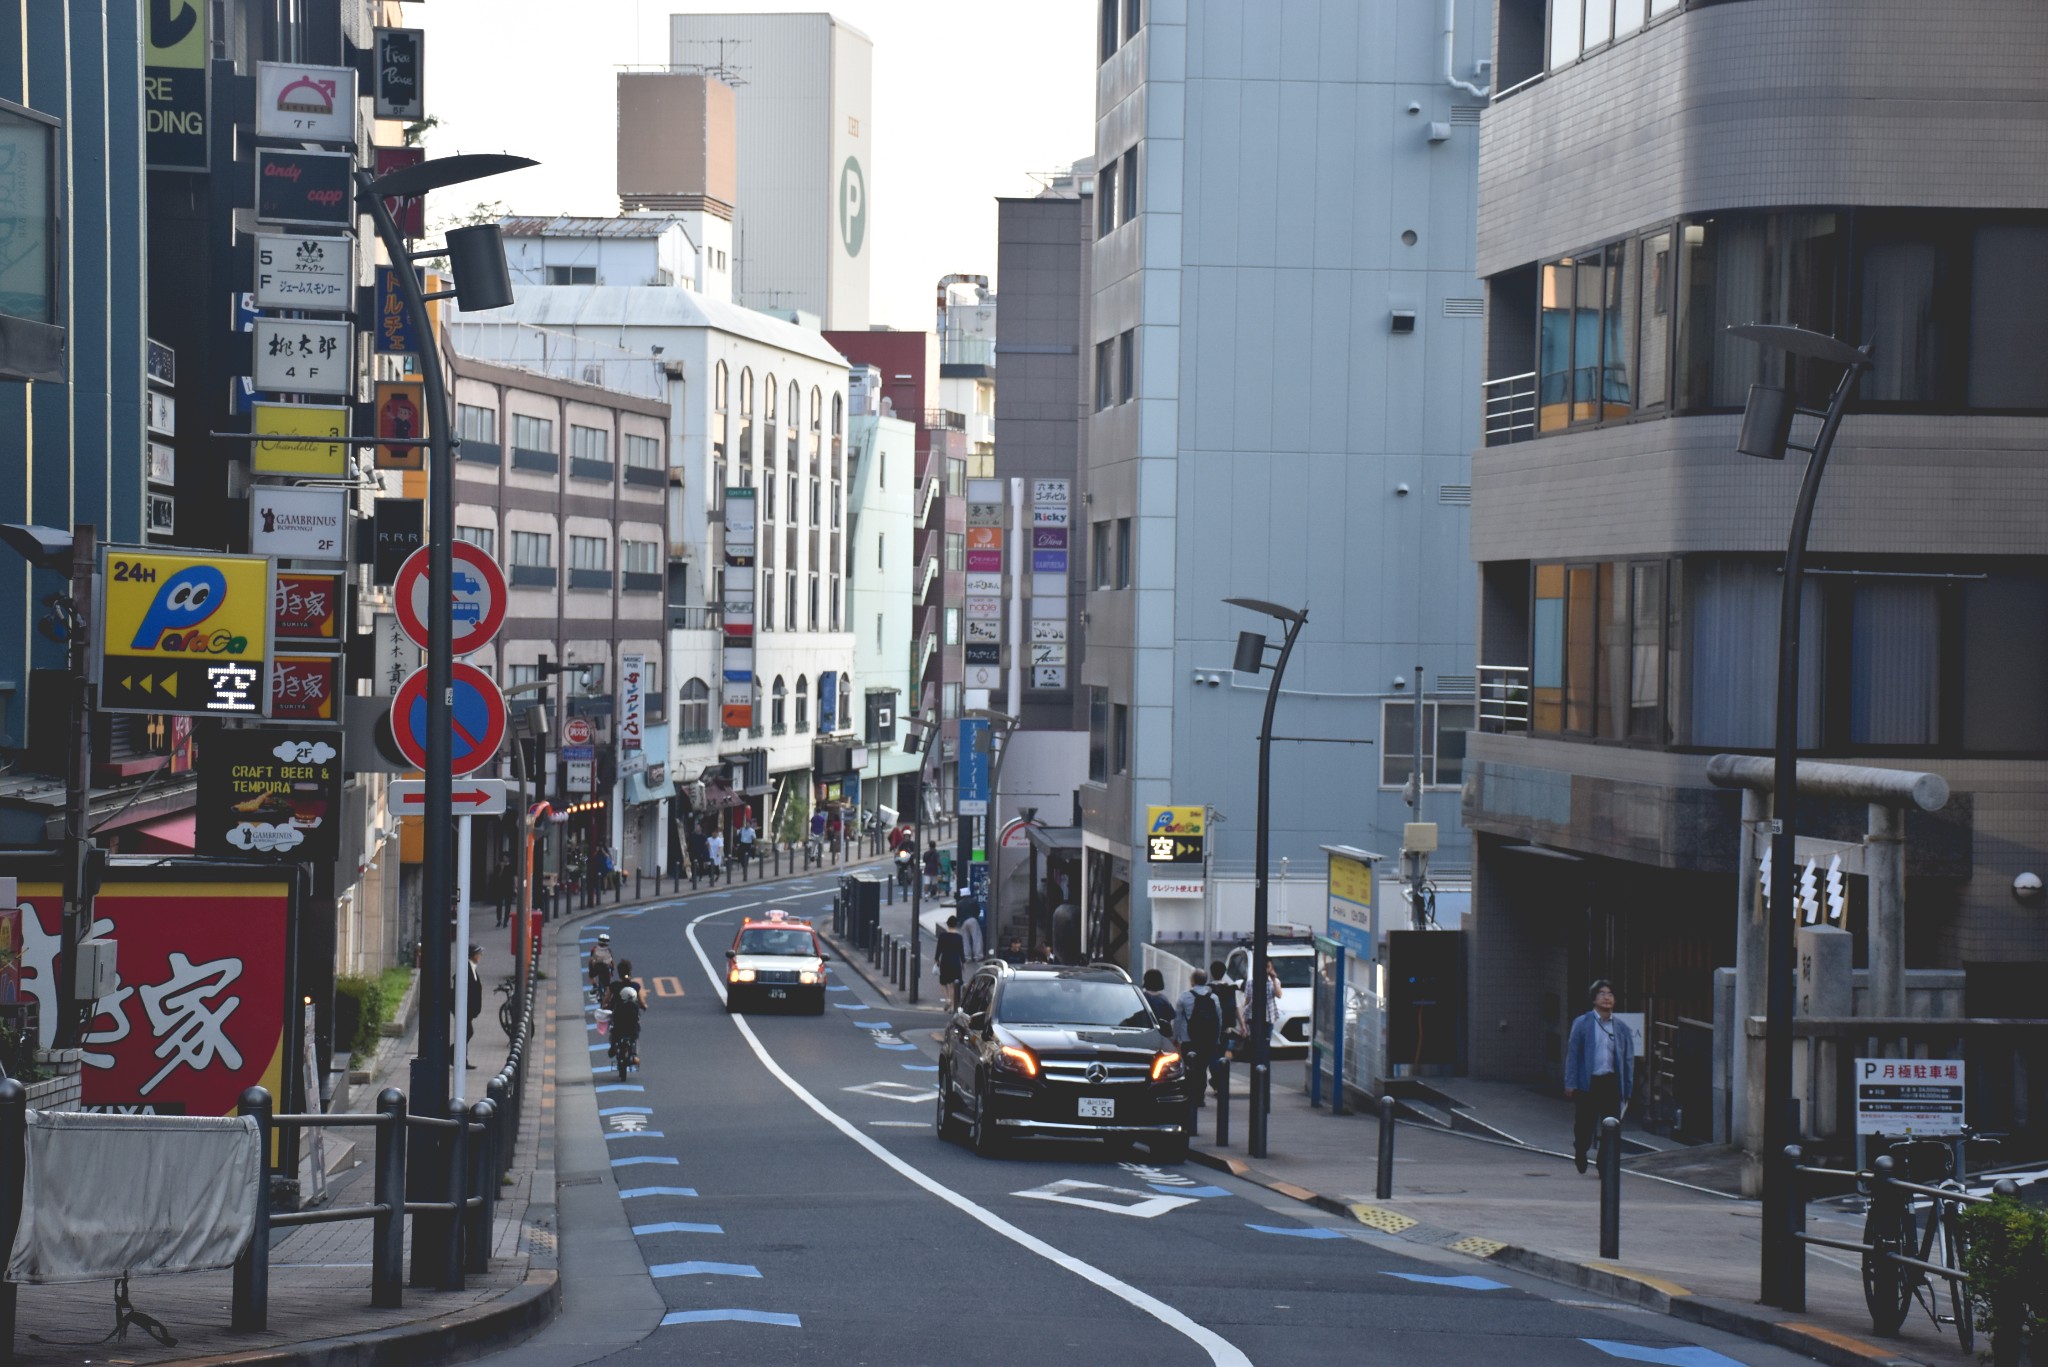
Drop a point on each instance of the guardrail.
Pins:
(1510, 408)
(1504, 699)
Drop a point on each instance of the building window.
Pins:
(587, 552)
(949, 701)
(589, 443)
(1106, 43)
(1128, 183)
(878, 631)
(817, 491)
(765, 619)
(1098, 735)
(522, 674)
(1105, 374)
(881, 550)
(1120, 738)
(643, 453)
(789, 600)
(956, 477)
(1106, 197)
(778, 706)
(484, 539)
(639, 557)
(747, 392)
(1443, 743)
(535, 549)
(1134, 13)
(572, 275)
(833, 599)
(956, 551)
(1098, 554)
(952, 626)
(1127, 367)
(1123, 552)
(803, 703)
(693, 709)
(476, 424)
(533, 434)
(795, 508)
(813, 617)
(768, 501)
(838, 414)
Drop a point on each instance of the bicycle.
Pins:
(626, 1050)
(1890, 1287)
(508, 1009)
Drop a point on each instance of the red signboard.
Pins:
(309, 607)
(304, 687)
(410, 212)
(198, 1010)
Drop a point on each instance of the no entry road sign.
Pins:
(478, 589)
(476, 719)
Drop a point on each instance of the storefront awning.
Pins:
(1051, 840)
(164, 835)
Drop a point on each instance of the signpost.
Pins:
(270, 791)
(312, 440)
(1175, 848)
(479, 597)
(401, 73)
(299, 523)
(303, 355)
(576, 731)
(477, 724)
(472, 797)
(184, 633)
(304, 273)
(1901, 1096)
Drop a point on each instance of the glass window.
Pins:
(587, 552)
(1443, 743)
(639, 557)
(484, 539)
(1106, 199)
(1732, 608)
(770, 392)
(572, 275)
(589, 443)
(956, 551)
(881, 550)
(1546, 655)
(476, 424)
(1129, 185)
(778, 704)
(1565, 30)
(693, 707)
(2008, 316)
(1581, 638)
(811, 617)
(1072, 1001)
(789, 600)
(1106, 43)
(1652, 273)
(1895, 664)
(765, 619)
(1133, 18)
(1123, 552)
(1120, 738)
(1127, 367)
(1098, 735)
(1105, 360)
(803, 703)
(1646, 652)
(952, 626)
(643, 453)
(533, 434)
(533, 549)
(747, 392)
(2005, 657)
(1912, 282)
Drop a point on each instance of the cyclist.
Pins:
(628, 1002)
(623, 980)
(601, 966)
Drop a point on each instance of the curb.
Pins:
(461, 1337)
(1607, 1279)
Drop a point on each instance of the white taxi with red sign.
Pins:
(775, 960)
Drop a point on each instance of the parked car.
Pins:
(1048, 1050)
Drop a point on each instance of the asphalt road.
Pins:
(790, 1202)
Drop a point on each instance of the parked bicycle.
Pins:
(508, 1008)
(1918, 1238)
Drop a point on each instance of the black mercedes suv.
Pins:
(1053, 1051)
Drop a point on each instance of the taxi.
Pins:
(775, 959)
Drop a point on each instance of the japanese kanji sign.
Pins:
(309, 604)
(198, 1010)
(305, 688)
(1898, 1096)
(302, 356)
(184, 633)
(273, 790)
(304, 272)
(394, 330)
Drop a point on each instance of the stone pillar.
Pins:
(1884, 860)
(1825, 988)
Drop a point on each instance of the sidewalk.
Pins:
(1686, 1251)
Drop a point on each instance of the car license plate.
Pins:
(1098, 1108)
(778, 992)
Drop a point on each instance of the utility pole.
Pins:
(76, 924)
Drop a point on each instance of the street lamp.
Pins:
(482, 282)
(1250, 659)
(918, 734)
(1766, 433)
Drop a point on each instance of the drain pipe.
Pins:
(1450, 44)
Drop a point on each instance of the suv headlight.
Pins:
(1013, 1058)
(1165, 1066)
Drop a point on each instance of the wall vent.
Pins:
(1456, 685)
(1457, 495)
(1464, 308)
(1466, 113)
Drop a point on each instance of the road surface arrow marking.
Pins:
(895, 1091)
(1688, 1356)
(1144, 1205)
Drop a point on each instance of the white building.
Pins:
(882, 479)
(632, 249)
(803, 84)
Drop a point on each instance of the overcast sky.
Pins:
(971, 97)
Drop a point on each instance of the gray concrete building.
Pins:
(1283, 333)
(1650, 174)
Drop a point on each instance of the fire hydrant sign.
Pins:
(478, 587)
(1897, 1096)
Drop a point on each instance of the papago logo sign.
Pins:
(853, 206)
(171, 605)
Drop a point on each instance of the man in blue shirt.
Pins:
(1599, 1067)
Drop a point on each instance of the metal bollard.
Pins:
(1389, 1109)
(455, 1188)
(13, 1164)
(250, 1313)
(1223, 1102)
(1610, 1188)
(482, 1186)
(636, 885)
(1259, 1099)
(387, 1236)
(504, 1128)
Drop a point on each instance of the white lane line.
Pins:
(1221, 1351)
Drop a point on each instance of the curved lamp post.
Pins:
(1766, 433)
(1250, 659)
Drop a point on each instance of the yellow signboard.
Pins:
(305, 454)
(185, 633)
(1173, 835)
(1351, 879)
(177, 35)
(1173, 821)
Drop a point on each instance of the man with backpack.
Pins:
(1198, 1025)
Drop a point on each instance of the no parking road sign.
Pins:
(478, 588)
(476, 719)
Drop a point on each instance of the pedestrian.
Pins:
(1599, 1067)
(714, 853)
(1228, 999)
(501, 889)
(948, 954)
(1041, 953)
(476, 994)
(971, 938)
(698, 856)
(601, 964)
(1066, 934)
(1198, 1026)
(931, 868)
(743, 842)
(1156, 998)
(605, 864)
(1013, 953)
(1275, 997)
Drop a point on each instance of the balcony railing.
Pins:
(683, 618)
(1504, 699)
(704, 736)
(1510, 408)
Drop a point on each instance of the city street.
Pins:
(788, 1198)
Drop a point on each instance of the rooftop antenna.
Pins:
(721, 68)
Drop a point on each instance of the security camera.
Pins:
(2027, 887)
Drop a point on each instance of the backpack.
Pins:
(1205, 1024)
